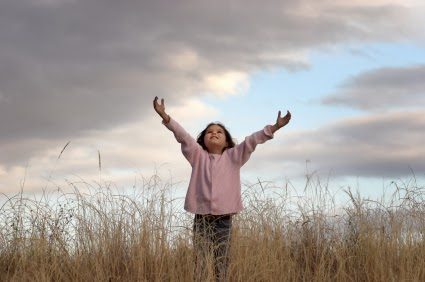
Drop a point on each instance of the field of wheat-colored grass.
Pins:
(92, 232)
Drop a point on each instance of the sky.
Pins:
(82, 74)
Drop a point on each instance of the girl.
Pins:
(214, 192)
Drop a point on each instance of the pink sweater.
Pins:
(215, 184)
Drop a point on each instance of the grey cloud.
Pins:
(373, 146)
(71, 66)
(383, 88)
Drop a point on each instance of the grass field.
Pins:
(92, 232)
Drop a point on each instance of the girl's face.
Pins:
(215, 139)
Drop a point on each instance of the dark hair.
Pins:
(229, 138)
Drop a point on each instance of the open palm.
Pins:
(159, 108)
(282, 121)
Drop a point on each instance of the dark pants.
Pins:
(211, 241)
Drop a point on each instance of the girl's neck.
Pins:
(215, 151)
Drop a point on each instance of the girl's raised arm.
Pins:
(190, 148)
(160, 109)
(242, 152)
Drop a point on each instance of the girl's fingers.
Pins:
(156, 104)
(288, 117)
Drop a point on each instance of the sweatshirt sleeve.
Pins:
(190, 148)
(241, 152)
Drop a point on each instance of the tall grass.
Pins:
(92, 232)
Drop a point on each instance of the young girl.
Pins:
(214, 192)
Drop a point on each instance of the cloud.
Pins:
(127, 152)
(228, 83)
(383, 88)
(69, 68)
(378, 145)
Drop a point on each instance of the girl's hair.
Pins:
(229, 138)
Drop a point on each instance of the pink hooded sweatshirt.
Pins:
(215, 184)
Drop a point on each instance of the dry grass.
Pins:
(94, 233)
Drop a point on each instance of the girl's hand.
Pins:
(282, 121)
(160, 109)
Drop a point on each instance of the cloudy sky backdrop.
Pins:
(86, 71)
